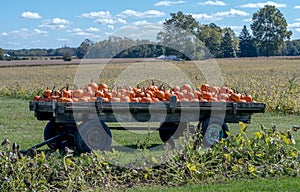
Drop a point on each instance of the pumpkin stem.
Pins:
(52, 90)
(62, 89)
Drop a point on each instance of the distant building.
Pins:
(170, 57)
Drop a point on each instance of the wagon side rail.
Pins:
(107, 111)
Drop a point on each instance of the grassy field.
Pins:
(19, 125)
(259, 185)
(275, 82)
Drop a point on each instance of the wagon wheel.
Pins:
(93, 135)
(170, 131)
(213, 129)
(53, 129)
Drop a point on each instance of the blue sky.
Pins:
(57, 23)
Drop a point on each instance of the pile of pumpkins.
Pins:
(152, 93)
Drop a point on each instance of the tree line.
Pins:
(185, 37)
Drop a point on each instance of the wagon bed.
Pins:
(173, 115)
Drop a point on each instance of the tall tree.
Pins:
(179, 37)
(211, 35)
(227, 44)
(83, 48)
(269, 29)
(182, 21)
(1, 54)
(246, 44)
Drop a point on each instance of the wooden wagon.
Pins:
(84, 124)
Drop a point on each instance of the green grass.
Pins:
(19, 125)
(259, 185)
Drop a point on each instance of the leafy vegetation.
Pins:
(269, 153)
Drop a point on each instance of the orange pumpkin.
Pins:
(160, 95)
(93, 86)
(236, 97)
(176, 88)
(187, 87)
(99, 93)
(36, 98)
(47, 93)
(77, 93)
(103, 86)
(135, 99)
(204, 87)
(125, 99)
(146, 100)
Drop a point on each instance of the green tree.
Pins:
(83, 48)
(227, 44)
(292, 48)
(246, 44)
(269, 29)
(1, 54)
(179, 37)
(182, 21)
(211, 35)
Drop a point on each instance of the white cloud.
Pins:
(247, 20)
(62, 40)
(231, 13)
(216, 3)
(86, 34)
(59, 21)
(139, 31)
(56, 23)
(104, 17)
(110, 21)
(294, 25)
(236, 28)
(40, 32)
(76, 30)
(298, 19)
(110, 27)
(203, 16)
(30, 15)
(4, 34)
(144, 22)
(168, 3)
(92, 29)
(220, 15)
(145, 14)
(97, 15)
(24, 33)
(297, 7)
(261, 5)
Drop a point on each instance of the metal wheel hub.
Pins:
(213, 132)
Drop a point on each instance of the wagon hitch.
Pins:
(42, 143)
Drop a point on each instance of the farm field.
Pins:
(275, 82)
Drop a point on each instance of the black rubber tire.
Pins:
(170, 131)
(53, 129)
(93, 135)
(213, 129)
